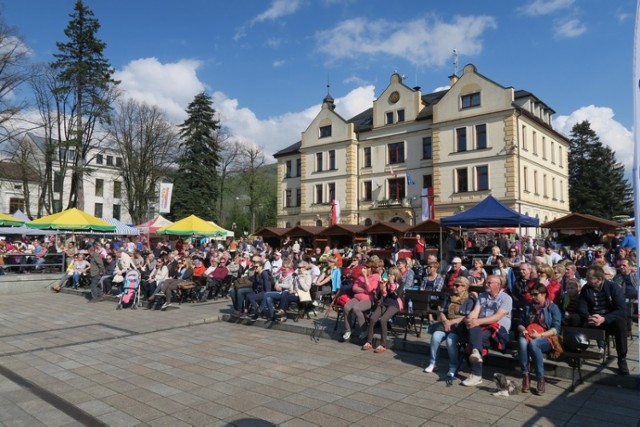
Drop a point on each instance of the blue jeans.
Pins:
(267, 302)
(452, 348)
(76, 279)
(240, 296)
(533, 349)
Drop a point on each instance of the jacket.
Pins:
(552, 317)
(616, 308)
(262, 282)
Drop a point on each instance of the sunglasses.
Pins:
(458, 286)
(535, 294)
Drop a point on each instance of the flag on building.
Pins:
(428, 207)
(335, 212)
(164, 204)
(410, 180)
(392, 171)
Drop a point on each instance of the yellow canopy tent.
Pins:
(8, 220)
(71, 220)
(193, 226)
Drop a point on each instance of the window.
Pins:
(287, 169)
(535, 183)
(318, 162)
(427, 181)
(400, 116)
(318, 197)
(116, 212)
(560, 156)
(287, 198)
(561, 190)
(553, 154)
(544, 185)
(332, 160)
(97, 210)
(99, 187)
(331, 190)
(482, 178)
(16, 203)
(427, 148)
(117, 189)
(481, 136)
(524, 137)
(72, 155)
(367, 157)
(553, 189)
(396, 188)
(470, 100)
(461, 139)
(534, 142)
(99, 159)
(325, 131)
(298, 197)
(57, 182)
(462, 180)
(367, 191)
(525, 172)
(389, 117)
(57, 205)
(544, 147)
(396, 152)
(109, 160)
(298, 167)
(119, 162)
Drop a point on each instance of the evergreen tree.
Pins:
(196, 182)
(596, 180)
(85, 88)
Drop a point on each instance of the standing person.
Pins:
(96, 270)
(540, 320)
(601, 305)
(395, 248)
(419, 248)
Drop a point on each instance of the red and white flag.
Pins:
(335, 212)
(428, 207)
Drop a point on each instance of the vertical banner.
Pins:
(636, 131)
(426, 211)
(164, 205)
(432, 204)
(335, 212)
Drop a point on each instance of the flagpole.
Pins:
(636, 139)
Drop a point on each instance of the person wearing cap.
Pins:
(276, 263)
(454, 272)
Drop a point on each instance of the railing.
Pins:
(21, 262)
(391, 203)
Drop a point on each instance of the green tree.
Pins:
(596, 180)
(196, 186)
(87, 88)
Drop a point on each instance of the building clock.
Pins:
(394, 97)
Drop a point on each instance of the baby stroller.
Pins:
(130, 296)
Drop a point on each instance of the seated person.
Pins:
(364, 289)
(261, 285)
(284, 282)
(457, 305)
(214, 280)
(157, 276)
(490, 320)
(601, 305)
(80, 268)
(300, 283)
(571, 317)
(109, 272)
(541, 319)
(390, 303)
(477, 273)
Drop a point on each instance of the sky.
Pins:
(268, 64)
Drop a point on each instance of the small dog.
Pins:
(505, 387)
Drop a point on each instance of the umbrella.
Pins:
(9, 220)
(71, 220)
(193, 226)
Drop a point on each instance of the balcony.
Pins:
(391, 203)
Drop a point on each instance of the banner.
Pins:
(428, 207)
(335, 212)
(164, 205)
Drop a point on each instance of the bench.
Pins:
(425, 303)
(575, 359)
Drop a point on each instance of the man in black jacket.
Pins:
(601, 305)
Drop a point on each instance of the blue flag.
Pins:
(410, 180)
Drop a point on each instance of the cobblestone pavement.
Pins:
(65, 362)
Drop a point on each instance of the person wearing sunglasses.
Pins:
(541, 320)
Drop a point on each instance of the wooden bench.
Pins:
(425, 303)
(575, 359)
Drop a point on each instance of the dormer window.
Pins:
(325, 131)
(470, 100)
(389, 117)
(400, 116)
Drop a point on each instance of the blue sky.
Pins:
(267, 63)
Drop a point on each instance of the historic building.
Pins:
(103, 186)
(473, 139)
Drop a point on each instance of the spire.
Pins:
(328, 100)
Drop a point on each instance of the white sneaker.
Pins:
(315, 303)
(346, 336)
(475, 357)
(430, 368)
(472, 380)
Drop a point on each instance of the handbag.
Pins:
(118, 278)
(304, 296)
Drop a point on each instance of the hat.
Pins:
(456, 260)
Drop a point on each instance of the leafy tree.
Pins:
(596, 180)
(86, 88)
(196, 186)
(146, 142)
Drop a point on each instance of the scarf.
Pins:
(455, 302)
(538, 314)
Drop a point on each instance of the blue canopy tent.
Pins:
(490, 213)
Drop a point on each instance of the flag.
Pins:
(428, 206)
(164, 204)
(410, 180)
(391, 171)
(335, 212)
(636, 121)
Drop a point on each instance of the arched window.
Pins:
(397, 219)
(287, 224)
(319, 223)
(368, 222)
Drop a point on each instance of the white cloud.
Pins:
(424, 41)
(358, 81)
(611, 132)
(544, 7)
(570, 28)
(278, 9)
(276, 133)
(169, 86)
(279, 63)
